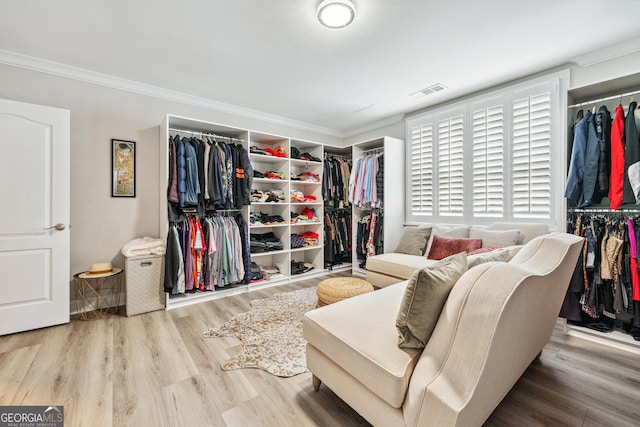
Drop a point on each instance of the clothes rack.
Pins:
(607, 98)
(604, 292)
(366, 183)
(339, 156)
(604, 210)
(226, 212)
(213, 135)
(373, 150)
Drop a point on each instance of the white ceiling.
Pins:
(272, 56)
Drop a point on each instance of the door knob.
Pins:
(58, 227)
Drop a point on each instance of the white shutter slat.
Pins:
(531, 158)
(421, 169)
(451, 165)
(487, 163)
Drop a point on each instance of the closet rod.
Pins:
(226, 212)
(373, 150)
(342, 156)
(603, 210)
(192, 132)
(216, 212)
(608, 98)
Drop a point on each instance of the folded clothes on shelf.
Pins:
(305, 176)
(264, 242)
(268, 196)
(260, 218)
(276, 152)
(256, 273)
(309, 238)
(296, 241)
(306, 216)
(307, 156)
(300, 267)
(298, 196)
(266, 271)
(274, 175)
(296, 154)
(257, 150)
(268, 151)
(269, 174)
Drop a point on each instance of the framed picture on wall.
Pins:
(123, 168)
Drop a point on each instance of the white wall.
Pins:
(394, 130)
(102, 224)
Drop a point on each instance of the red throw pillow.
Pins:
(442, 247)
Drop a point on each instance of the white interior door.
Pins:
(34, 218)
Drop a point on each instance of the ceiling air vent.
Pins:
(429, 90)
(360, 110)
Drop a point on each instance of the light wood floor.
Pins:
(156, 369)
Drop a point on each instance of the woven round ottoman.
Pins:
(339, 288)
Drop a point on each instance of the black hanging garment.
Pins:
(631, 157)
(603, 134)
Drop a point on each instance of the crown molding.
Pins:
(75, 73)
(617, 50)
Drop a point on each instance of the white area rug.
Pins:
(271, 333)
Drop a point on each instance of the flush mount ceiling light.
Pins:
(336, 13)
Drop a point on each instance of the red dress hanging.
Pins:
(616, 181)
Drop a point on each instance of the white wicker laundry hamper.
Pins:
(144, 276)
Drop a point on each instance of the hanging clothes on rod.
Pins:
(604, 158)
(337, 236)
(207, 174)
(366, 183)
(369, 237)
(205, 253)
(335, 180)
(604, 292)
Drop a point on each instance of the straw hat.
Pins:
(100, 269)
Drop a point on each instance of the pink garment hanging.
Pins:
(635, 278)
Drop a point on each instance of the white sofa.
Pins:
(496, 320)
(393, 267)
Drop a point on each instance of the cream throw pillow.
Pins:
(499, 255)
(495, 237)
(414, 240)
(424, 297)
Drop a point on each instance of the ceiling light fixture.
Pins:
(336, 13)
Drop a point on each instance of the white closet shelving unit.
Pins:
(393, 196)
(610, 93)
(289, 167)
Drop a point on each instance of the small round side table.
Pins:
(98, 297)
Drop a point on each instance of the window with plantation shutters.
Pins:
(487, 144)
(421, 169)
(490, 158)
(531, 159)
(451, 165)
